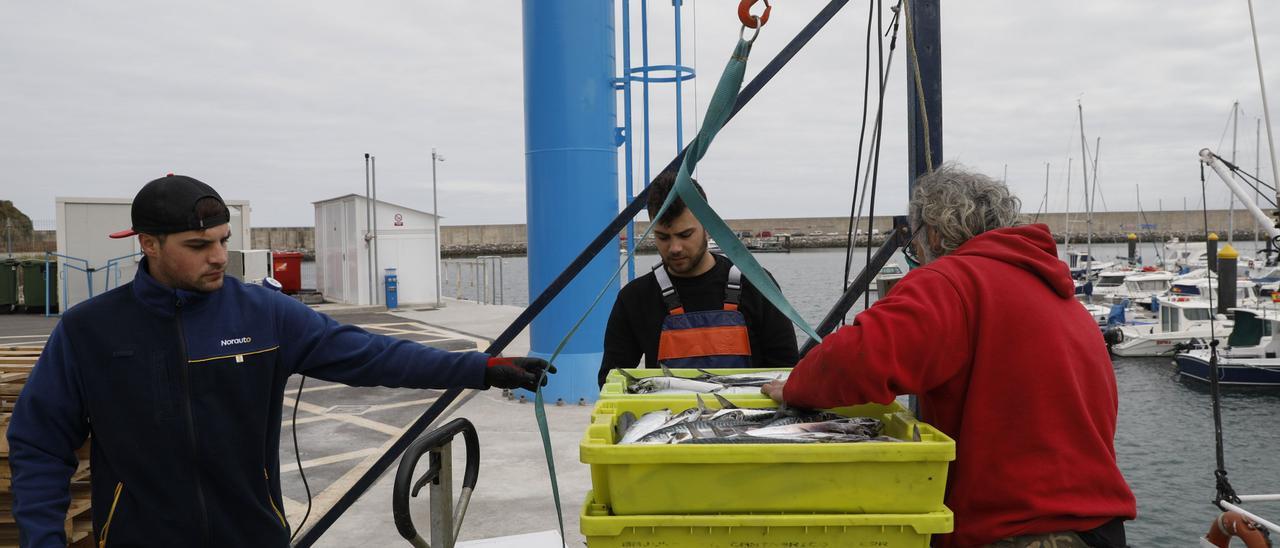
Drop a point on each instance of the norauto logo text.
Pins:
(241, 340)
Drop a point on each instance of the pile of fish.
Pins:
(733, 424)
(705, 383)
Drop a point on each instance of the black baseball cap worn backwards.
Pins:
(168, 205)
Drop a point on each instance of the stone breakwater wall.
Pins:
(839, 242)
(827, 232)
(806, 232)
(465, 251)
(285, 238)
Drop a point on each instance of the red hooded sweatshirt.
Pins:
(1007, 363)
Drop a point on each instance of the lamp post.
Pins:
(435, 219)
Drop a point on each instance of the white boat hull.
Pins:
(1139, 344)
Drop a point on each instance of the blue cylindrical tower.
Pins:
(571, 177)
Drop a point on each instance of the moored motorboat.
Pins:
(1249, 357)
(1183, 321)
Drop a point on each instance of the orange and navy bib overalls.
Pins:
(706, 339)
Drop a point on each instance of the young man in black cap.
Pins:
(180, 376)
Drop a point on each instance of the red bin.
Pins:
(287, 268)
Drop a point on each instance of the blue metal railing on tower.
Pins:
(679, 83)
(644, 75)
(626, 133)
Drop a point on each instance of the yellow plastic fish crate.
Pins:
(761, 530)
(836, 478)
(615, 385)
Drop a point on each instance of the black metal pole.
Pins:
(924, 97)
(924, 57)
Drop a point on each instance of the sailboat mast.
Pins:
(1097, 151)
(1231, 207)
(1084, 176)
(1066, 222)
(1266, 111)
(1186, 223)
(1093, 193)
(1046, 187)
(1137, 191)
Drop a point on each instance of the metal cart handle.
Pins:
(444, 523)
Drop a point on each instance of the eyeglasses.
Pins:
(909, 250)
(909, 253)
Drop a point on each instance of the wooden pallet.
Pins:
(15, 366)
(22, 350)
(79, 522)
(14, 370)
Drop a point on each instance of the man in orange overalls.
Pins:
(694, 310)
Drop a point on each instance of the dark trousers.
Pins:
(1109, 535)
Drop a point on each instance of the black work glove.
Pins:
(517, 372)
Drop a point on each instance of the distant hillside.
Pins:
(14, 221)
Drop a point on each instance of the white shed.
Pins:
(83, 226)
(406, 241)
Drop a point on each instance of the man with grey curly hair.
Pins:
(987, 332)
(950, 206)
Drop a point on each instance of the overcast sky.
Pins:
(276, 103)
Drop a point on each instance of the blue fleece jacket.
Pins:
(183, 394)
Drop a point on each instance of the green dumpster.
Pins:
(33, 282)
(8, 284)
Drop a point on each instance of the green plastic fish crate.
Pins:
(830, 478)
(615, 385)
(603, 530)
